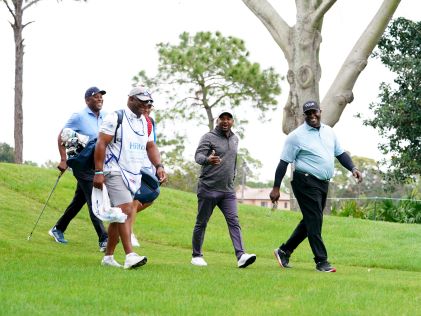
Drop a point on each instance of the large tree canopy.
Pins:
(206, 72)
(201, 75)
(397, 116)
(300, 44)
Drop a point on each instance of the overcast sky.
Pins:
(74, 45)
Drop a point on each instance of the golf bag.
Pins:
(149, 188)
(84, 160)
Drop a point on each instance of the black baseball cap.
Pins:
(310, 105)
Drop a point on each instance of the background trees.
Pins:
(206, 72)
(201, 75)
(16, 9)
(6, 153)
(300, 44)
(397, 115)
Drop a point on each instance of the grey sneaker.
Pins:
(57, 235)
(282, 257)
(325, 266)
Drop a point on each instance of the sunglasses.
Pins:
(149, 102)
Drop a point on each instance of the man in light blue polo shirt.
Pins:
(86, 122)
(311, 148)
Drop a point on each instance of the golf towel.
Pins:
(102, 208)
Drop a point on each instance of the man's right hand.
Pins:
(274, 195)
(98, 181)
(214, 160)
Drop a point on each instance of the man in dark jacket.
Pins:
(217, 154)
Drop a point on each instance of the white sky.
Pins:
(75, 45)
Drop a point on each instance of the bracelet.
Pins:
(159, 165)
(99, 172)
(354, 169)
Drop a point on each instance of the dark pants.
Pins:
(83, 194)
(311, 194)
(227, 203)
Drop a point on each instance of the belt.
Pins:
(306, 174)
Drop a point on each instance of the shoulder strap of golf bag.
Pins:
(149, 121)
(119, 121)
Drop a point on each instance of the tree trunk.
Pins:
(19, 51)
(300, 45)
(304, 69)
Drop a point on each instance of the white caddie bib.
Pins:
(129, 150)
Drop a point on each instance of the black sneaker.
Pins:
(325, 266)
(282, 257)
(103, 245)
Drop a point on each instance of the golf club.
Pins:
(59, 176)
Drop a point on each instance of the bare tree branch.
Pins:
(276, 25)
(321, 11)
(29, 4)
(9, 8)
(340, 92)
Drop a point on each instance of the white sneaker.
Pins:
(135, 242)
(198, 261)
(110, 262)
(246, 260)
(133, 260)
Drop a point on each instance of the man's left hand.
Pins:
(162, 175)
(357, 175)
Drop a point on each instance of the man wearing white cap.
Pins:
(119, 157)
(217, 154)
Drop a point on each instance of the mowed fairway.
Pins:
(378, 263)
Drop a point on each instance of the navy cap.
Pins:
(310, 105)
(92, 91)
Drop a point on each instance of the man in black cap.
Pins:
(311, 148)
(217, 154)
(85, 122)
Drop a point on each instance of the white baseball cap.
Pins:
(141, 93)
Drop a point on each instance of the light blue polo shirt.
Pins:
(312, 150)
(85, 122)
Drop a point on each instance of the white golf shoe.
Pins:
(198, 261)
(110, 262)
(133, 260)
(135, 242)
(246, 260)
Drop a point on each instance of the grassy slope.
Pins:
(379, 264)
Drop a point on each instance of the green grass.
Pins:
(379, 263)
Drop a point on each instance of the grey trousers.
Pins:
(227, 203)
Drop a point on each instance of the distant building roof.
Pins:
(258, 193)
